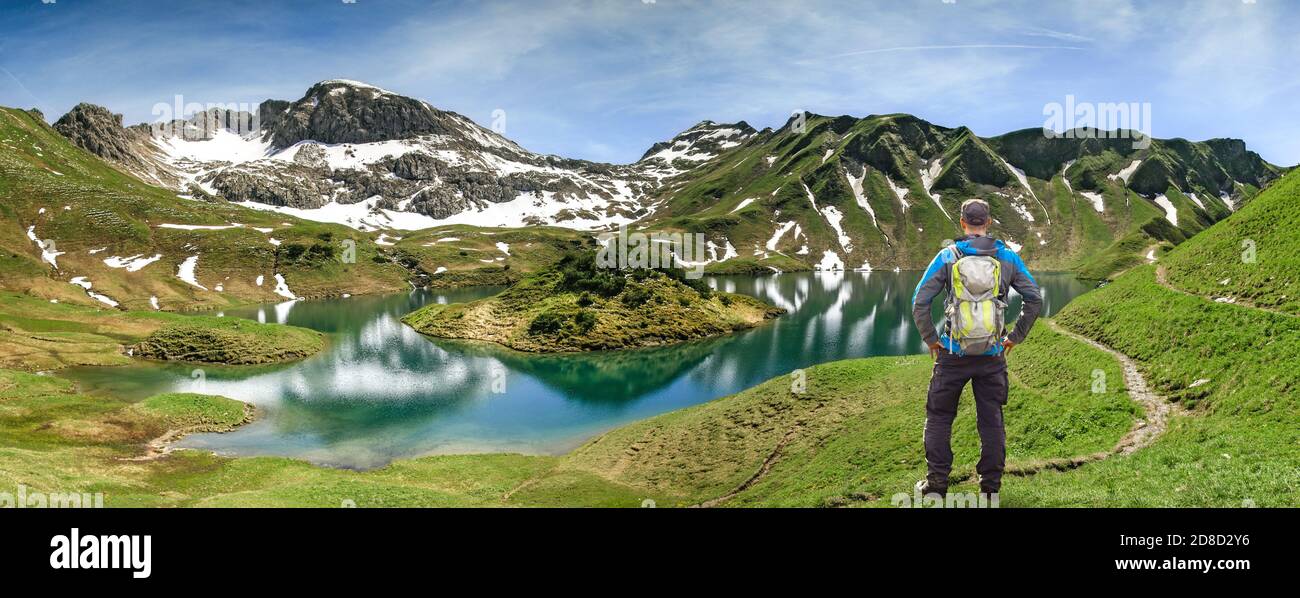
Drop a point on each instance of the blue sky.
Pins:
(603, 80)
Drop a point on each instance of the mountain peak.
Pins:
(99, 131)
(346, 111)
(351, 84)
(699, 143)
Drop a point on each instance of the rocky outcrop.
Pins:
(99, 131)
(350, 112)
(290, 185)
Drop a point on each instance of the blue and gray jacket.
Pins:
(938, 278)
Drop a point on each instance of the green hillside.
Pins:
(1218, 263)
(91, 212)
(884, 191)
(460, 255)
(37, 335)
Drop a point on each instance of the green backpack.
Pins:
(975, 314)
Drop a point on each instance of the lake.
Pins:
(381, 391)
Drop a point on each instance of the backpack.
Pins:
(975, 314)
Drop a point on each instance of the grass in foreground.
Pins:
(1233, 368)
(854, 435)
(195, 412)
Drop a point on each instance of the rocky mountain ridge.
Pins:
(821, 192)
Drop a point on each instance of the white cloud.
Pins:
(604, 80)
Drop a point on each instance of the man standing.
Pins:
(976, 272)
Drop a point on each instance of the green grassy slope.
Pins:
(463, 255)
(36, 335)
(855, 435)
(194, 412)
(859, 167)
(1232, 367)
(80, 203)
(1250, 257)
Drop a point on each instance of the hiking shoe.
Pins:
(925, 488)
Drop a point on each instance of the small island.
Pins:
(577, 306)
(230, 341)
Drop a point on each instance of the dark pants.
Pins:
(988, 379)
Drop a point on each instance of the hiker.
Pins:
(975, 273)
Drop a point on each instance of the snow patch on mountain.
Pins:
(781, 230)
(186, 270)
(222, 145)
(1126, 172)
(1171, 212)
(134, 263)
(84, 283)
(927, 181)
(1227, 200)
(1024, 182)
(830, 262)
(899, 191)
(835, 219)
(1098, 202)
(811, 200)
(856, 185)
(48, 252)
(363, 215)
(698, 144)
(282, 289)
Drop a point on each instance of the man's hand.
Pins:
(935, 349)
(1007, 345)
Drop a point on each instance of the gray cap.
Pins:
(975, 212)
